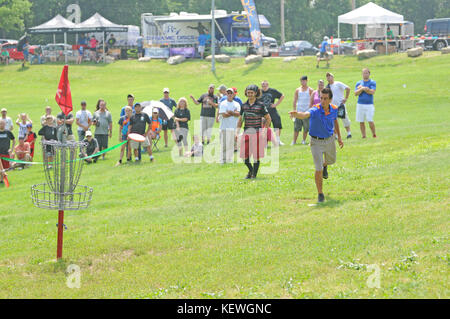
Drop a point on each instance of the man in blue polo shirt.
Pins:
(322, 126)
(364, 90)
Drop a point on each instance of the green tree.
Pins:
(12, 14)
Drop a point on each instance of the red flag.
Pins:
(63, 96)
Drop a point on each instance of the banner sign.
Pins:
(157, 53)
(253, 22)
(187, 52)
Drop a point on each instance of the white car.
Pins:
(57, 50)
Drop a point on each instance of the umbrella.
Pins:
(164, 112)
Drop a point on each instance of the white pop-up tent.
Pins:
(57, 25)
(370, 13)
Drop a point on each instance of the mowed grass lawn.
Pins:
(168, 230)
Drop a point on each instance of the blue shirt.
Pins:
(365, 98)
(321, 125)
(203, 38)
(323, 46)
(236, 99)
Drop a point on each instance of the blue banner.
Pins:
(253, 22)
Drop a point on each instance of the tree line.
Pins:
(304, 19)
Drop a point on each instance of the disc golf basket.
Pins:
(62, 167)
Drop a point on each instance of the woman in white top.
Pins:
(302, 98)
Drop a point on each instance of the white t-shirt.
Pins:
(9, 126)
(338, 89)
(229, 122)
(83, 117)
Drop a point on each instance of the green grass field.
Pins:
(167, 230)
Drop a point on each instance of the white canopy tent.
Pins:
(58, 24)
(370, 13)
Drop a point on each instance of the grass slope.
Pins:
(167, 230)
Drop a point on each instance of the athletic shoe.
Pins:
(249, 176)
(321, 198)
(325, 172)
(292, 143)
(349, 136)
(151, 158)
(118, 164)
(304, 142)
(281, 143)
(374, 136)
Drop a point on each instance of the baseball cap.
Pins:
(29, 125)
(222, 87)
(166, 90)
(234, 89)
(88, 133)
(252, 87)
(230, 89)
(4, 110)
(155, 110)
(304, 78)
(83, 103)
(130, 95)
(330, 74)
(212, 86)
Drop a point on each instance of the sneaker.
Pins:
(321, 198)
(166, 146)
(249, 176)
(129, 159)
(304, 142)
(151, 158)
(118, 164)
(292, 143)
(374, 136)
(281, 143)
(349, 136)
(325, 172)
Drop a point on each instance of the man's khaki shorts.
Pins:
(135, 145)
(319, 148)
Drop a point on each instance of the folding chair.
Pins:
(155, 143)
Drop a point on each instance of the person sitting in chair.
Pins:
(156, 125)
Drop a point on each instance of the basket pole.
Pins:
(60, 234)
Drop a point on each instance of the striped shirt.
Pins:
(253, 114)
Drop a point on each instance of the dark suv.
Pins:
(439, 31)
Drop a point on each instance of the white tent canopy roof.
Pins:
(370, 14)
(58, 23)
(99, 23)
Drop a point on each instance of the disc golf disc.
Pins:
(136, 137)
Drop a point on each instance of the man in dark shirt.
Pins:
(140, 123)
(6, 150)
(209, 102)
(268, 98)
(255, 135)
(91, 148)
(61, 118)
(49, 133)
(170, 103)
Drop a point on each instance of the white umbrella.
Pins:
(164, 112)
